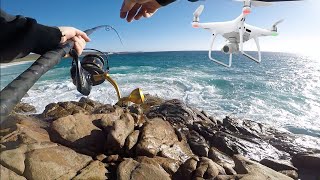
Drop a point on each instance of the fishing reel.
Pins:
(91, 71)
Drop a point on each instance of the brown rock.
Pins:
(179, 151)
(24, 108)
(186, 169)
(254, 170)
(53, 163)
(14, 159)
(132, 139)
(169, 165)
(78, 131)
(206, 168)
(8, 174)
(131, 169)
(95, 170)
(156, 135)
(229, 169)
(114, 158)
(229, 177)
(119, 132)
(101, 157)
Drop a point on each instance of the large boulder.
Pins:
(53, 163)
(118, 132)
(95, 170)
(79, 131)
(131, 169)
(159, 137)
(195, 168)
(8, 174)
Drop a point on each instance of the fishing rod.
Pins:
(12, 94)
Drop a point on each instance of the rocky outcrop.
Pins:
(156, 140)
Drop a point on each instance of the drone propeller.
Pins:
(197, 13)
(259, 3)
(256, 3)
(274, 26)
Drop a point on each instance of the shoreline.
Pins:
(4, 65)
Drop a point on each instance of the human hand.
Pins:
(79, 37)
(135, 9)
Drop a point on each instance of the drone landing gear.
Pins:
(251, 57)
(217, 61)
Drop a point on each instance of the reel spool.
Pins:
(90, 72)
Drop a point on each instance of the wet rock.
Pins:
(244, 127)
(95, 170)
(8, 174)
(291, 173)
(132, 139)
(278, 165)
(254, 170)
(198, 144)
(53, 163)
(78, 131)
(119, 131)
(62, 109)
(255, 148)
(131, 169)
(24, 108)
(174, 111)
(306, 161)
(220, 157)
(150, 101)
(90, 102)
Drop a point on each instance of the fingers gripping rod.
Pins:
(217, 61)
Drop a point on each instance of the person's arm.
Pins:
(20, 35)
(136, 9)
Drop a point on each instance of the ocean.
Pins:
(283, 91)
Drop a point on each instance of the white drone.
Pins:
(236, 31)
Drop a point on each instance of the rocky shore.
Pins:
(156, 140)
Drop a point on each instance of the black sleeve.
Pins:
(20, 35)
(166, 2)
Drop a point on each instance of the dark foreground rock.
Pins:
(156, 140)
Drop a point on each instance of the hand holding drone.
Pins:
(237, 31)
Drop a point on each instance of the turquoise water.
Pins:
(284, 90)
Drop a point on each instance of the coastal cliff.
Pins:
(156, 140)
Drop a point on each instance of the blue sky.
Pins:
(170, 29)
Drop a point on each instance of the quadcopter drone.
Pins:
(236, 32)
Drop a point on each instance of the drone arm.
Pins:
(214, 60)
(241, 38)
(259, 52)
